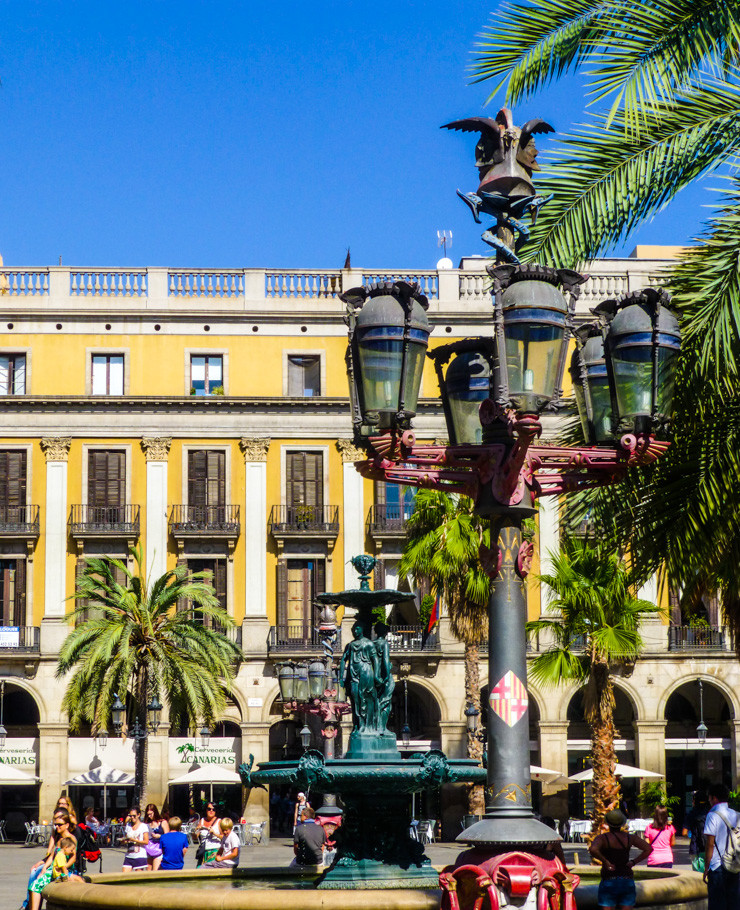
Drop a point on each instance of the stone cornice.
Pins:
(254, 447)
(56, 448)
(156, 448)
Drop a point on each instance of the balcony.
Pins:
(388, 520)
(104, 521)
(298, 638)
(205, 521)
(410, 638)
(696, 638)
(20, 640)
(304, 521)
(19, 521)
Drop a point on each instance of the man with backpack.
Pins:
(722, 842)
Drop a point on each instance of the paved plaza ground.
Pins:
(15, 861)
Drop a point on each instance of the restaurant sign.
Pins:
(220, 751)
(21, 752)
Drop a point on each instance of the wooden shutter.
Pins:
(6, 584)
(312, 376)
(712, 605)
(19, 605)
(206, 478)
(182, 603)
(379, 575)
(379, 492)
(295, 378)
(219, 581)
(305, 479)
(674, 603)
(12, 479)
(282, 592)
(106, 479)
(319, 577)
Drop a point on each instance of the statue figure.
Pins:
(385, 682)
(359, 670)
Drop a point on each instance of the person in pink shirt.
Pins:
(660, 834)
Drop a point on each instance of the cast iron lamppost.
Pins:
(702, 730)
(3, 731)
(493, 390)
(139, 733)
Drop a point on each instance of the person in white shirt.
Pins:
(723, 886)
(228, 853)
(137, 837)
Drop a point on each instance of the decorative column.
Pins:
(56, 449)
(735, 754)
(353, 509)
(156, 450)
(549, 542)
(650, 745)
(255, 524)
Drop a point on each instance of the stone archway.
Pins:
(21, 719)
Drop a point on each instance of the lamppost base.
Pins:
(508, 831)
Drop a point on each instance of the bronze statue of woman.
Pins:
(359, 671)
(385, 683)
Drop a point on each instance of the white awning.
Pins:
(208, 774)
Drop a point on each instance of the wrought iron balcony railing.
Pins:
(316, 520)
(19, 521)
(696, 638)
(389, 518)
(205, 521)
(298, 637)
(411, 638)
(104, 521)
(20, 639)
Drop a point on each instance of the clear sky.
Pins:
(230, 134)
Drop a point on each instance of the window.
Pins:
(206, 374)
(304, 375)
(206, 477)
(93, 612)
(298, 583)
(217, 568)
(12, 374)
(305, 483)
(399, 501)
(107, 374)
(13, 592)
(106, 480)
(12, 484)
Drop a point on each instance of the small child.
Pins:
(228, 853)
(174, 845)
(63, 860)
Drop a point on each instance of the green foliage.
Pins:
(138, 643)
(443, 539)
(217, 390)
(379, 614)
(595, 615)
(425, 609)
(733, 800)
(654, 794)
(662, 76)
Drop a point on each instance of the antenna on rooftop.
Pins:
(444, 239)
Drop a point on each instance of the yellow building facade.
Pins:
(203, 415)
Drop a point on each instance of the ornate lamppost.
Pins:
(139, 732)
(493, 391)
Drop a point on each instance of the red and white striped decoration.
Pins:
(509, 698)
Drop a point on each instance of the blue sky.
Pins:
(249, 134)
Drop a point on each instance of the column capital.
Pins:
(254, 447)
(56, 448)
(156, 448)
(350, 452)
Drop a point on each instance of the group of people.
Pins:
(613, 850)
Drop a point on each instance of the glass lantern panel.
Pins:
(316, 681)
(633, 377)
(532, 356)
(666, 379)
(381, 362)
(414, 370)
(300, 691)
(601, 405)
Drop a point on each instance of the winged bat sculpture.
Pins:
(506, 158)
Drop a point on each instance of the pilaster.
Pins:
(549, 540)
(56, 449)
(353, 508)
(735, 754)
(650, 745)
(53, 765)
(255, 524)
(156, 449)
(256, 742)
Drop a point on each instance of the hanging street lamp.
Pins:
(702, 730)
(139, 733)
(493, 390)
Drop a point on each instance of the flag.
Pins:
(434, 615)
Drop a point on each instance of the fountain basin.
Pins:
(270, 888)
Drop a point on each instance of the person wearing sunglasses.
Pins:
(208, 836)
(62, 829)
(137, 837)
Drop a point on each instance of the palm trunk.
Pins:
(141, 747)
(599, 710)
(476, 797)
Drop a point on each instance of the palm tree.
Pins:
(665, 100)
(131, 639)
(444, 536)
(594, 629)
